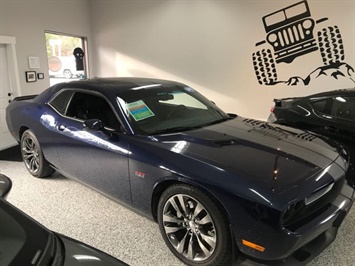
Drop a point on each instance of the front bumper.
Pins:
(306, 242)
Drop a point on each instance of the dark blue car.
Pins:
(219, 185)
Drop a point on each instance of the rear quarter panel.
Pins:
(40, 118)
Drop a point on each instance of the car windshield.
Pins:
(158, 109)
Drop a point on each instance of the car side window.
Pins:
(61, 100)
(323, 106)
(85, 106)
(344, 107)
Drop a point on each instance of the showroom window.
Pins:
(67, 59)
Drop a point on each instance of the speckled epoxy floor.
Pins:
(72, 209)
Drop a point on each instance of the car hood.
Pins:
(78, 253)
(264, 156)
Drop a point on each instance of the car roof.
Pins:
(117, 85)
(343, 92)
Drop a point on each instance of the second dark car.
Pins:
(218, 184)
(330, 113)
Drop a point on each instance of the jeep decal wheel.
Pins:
(264, 67)
(331, 45)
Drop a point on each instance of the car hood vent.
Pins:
(226, 142)
(277, 131)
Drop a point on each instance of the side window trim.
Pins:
(348, 117)
(93, 93)
(49, 102)
(328, 105)
(99, 95)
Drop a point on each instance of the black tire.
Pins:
(199, 226)
(264, 67)
(32, 156)
(331, 45)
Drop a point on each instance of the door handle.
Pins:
(61, 127)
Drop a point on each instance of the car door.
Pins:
(336, 116)
(343, 113)
(319, 118)
(343, 117)
(98, 158)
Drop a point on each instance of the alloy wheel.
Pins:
(30, 155)
(189, 227)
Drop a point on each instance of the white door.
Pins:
(6, 94)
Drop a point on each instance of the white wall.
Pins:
(27, 21)
(208, 44)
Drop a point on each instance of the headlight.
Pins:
(320, 193)
(291, 212)
(308, 208)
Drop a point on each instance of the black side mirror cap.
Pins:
(5, 186)
(94, 124)
(232, 115)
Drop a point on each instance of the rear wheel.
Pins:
(33, 157)
(194, 227)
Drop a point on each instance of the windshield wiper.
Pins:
(173, 129)
(216, 121)
(185, 128)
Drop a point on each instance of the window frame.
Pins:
(328, 105)
(56, 95)
(335, 101)
(93, 93)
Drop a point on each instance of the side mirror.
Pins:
(94, 124)
(5, 186)
(232, 115)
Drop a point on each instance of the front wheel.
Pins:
(194, 227)
(33, 157)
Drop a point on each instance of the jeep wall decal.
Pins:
(290, 32)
